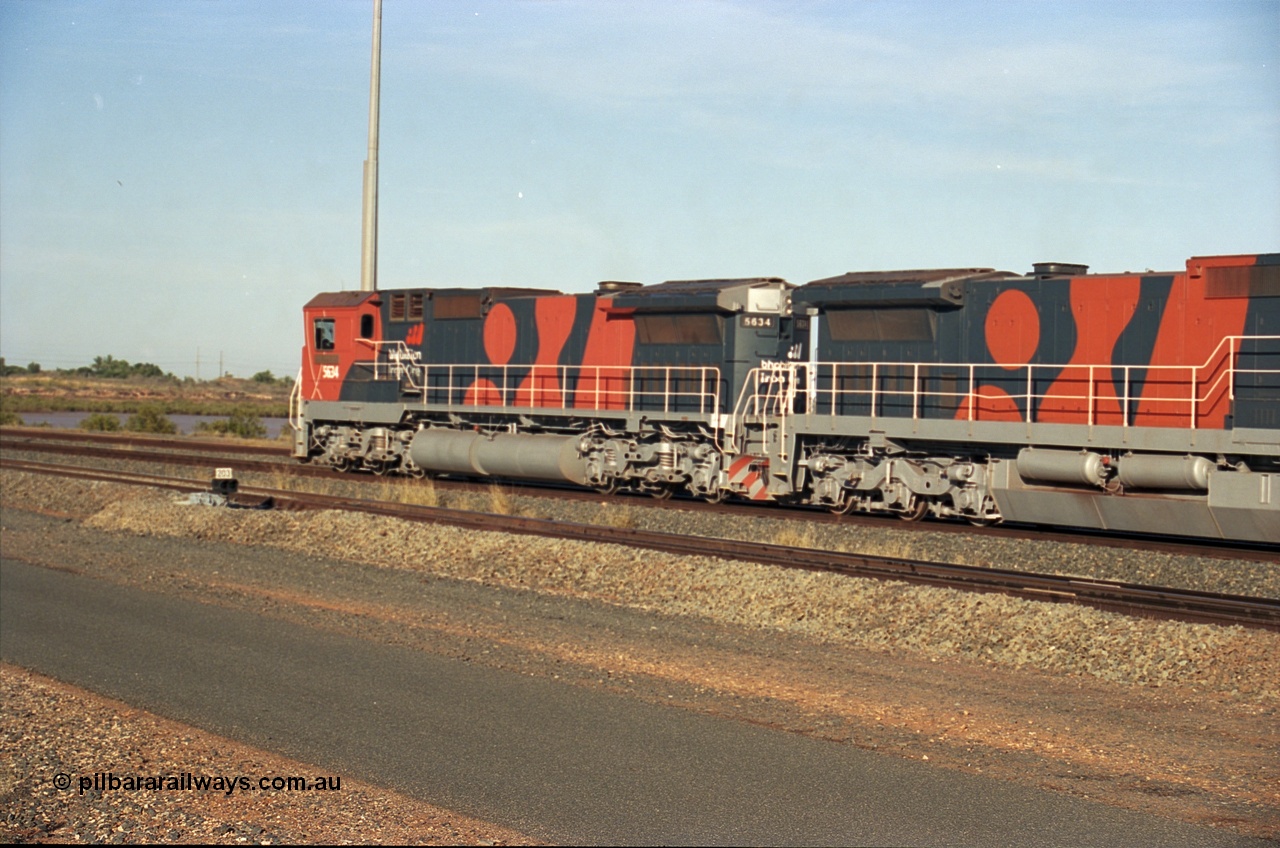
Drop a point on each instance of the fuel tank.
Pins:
(524, 456)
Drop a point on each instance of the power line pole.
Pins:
(369, 230)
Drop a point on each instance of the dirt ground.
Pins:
(1202, 756)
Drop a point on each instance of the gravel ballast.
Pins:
(937, 623)
(777, 525)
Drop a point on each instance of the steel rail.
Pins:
(31, 436)
(1125, 598)
(143, 448)
(201, 455)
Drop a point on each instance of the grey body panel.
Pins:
(1009, 434)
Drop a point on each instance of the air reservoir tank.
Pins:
(1078, 468)
(1153, 471)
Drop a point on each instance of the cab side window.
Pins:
(324, 333)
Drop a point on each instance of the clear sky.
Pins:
(180, 177)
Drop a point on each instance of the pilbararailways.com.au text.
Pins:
(187, 782)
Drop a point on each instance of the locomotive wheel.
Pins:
(844, 507)
(716, 497)
(343, 464)
(609, 488)
(380, 468)
(662, 493)
(915, 510)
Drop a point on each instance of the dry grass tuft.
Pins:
(791, 538)
(420, 493)
(282, 479)
(623, 517)
(499, 500)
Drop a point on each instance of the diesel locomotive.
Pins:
(1139, 402)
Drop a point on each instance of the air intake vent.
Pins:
(1045, 270)
(616, 286)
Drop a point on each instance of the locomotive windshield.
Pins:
(324, 334)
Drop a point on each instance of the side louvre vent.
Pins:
(1243, 281)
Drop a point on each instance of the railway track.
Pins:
(1125, 598)
(277, 459)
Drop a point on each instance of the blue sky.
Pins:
(181, 176)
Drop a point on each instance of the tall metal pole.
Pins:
(369, 240)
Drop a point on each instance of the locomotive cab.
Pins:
(341, 329)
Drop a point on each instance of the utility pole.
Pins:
(369, 229)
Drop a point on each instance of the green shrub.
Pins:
(120, 369)
(101, 422)
(242, 424)
(8, 418)
(150, 419)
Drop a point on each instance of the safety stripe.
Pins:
(741, 475)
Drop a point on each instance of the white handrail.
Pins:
(665, 388)
(295, 403)
(1197, 387)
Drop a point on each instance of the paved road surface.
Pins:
(555, 761)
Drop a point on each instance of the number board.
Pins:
(758, 322)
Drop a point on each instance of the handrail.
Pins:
(295, 403)
(651, 388)
(1199, 388)
(771, 389)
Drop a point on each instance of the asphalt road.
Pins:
(555, 761)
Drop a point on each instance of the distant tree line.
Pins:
(6, 370)
(119, 369)
(108, 367)
(103, 366)
(268, 377)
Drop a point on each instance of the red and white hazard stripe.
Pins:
(744, 478)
